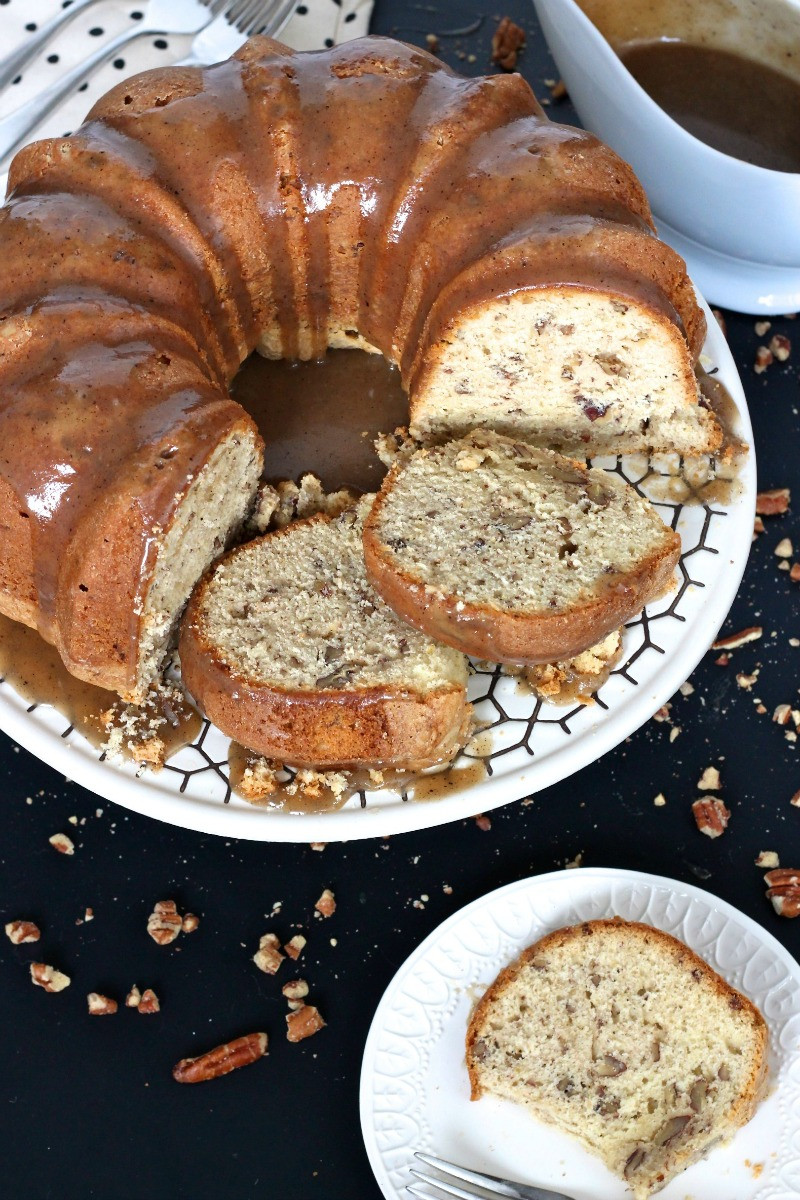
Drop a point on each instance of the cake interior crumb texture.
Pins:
(500, 524)
(297, 611)
(576, 370)
(209, 512)
(620, 1035)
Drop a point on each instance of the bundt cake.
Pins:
(291, 653)
(365, 196)
(514, 554)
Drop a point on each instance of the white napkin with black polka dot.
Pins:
(314, 25)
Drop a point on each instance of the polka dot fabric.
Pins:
(314, 25)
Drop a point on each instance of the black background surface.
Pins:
(90, 1106)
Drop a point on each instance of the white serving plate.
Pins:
(414, 1085)
(533, 744)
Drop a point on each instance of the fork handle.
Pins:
(14, 128)
(11, 65)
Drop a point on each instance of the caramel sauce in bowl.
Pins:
(702, 196)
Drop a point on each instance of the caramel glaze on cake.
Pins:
(364, 196)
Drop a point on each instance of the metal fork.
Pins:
(478, 1186)
(163, 17)
(222, 38)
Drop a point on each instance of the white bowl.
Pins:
(737, 225)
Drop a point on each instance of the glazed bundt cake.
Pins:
(365, 196)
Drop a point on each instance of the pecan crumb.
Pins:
(711, 816)
(784, 548)
(268, 957)
(61, 843)
(763, 360)
(190, 923)
(780, 346)
(660, 800)
(794, 572)
(795, 800)
(507, 41)
(149, 1002)
(432, 43)
(767, 859)
(732, 641)
(326, 905)
(783, 889)
(100, 1005)
(22, 931)
(773, 503)
(295, 992)
(164, 922)
(221, 1060)
(49, 978)
(709, 780)
(295, 946)
(558, 91)
(483, 823)
(133, 998)
(762, 327)
(303, 1022)
(782, 714)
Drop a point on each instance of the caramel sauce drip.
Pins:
(289, 797)
(33, 668)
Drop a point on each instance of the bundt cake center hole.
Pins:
(323, 416)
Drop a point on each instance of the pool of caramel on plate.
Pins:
(418, 786)
(35, 670)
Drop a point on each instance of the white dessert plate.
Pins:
(533, 744)
(414, 1085)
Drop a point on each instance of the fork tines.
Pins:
(489, 1185)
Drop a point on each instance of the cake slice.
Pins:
(514, 554)
(292, 654)
(620, 1035)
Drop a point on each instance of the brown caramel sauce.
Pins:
(35, 670)
(741, 107)
(576, 688)
(710, 479)
(323, 416)
(417, 785)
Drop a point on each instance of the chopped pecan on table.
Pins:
(149, 1002)
(709, 781)
(221, 1060)
(164, 922)
(61, 843)
(711, 816)
(783, 889)
(49, 978)
(784, 548)
(326, 905)
(295, 946)
(732, 641)
(304, 1022)
(100, 1005)
(268, 957)
(22, 931)
(763, 360)
(189, 923)
(780, 346)
(295, 992)
(507, 41)
(773, 502)
(133, 998)
(767, 858)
